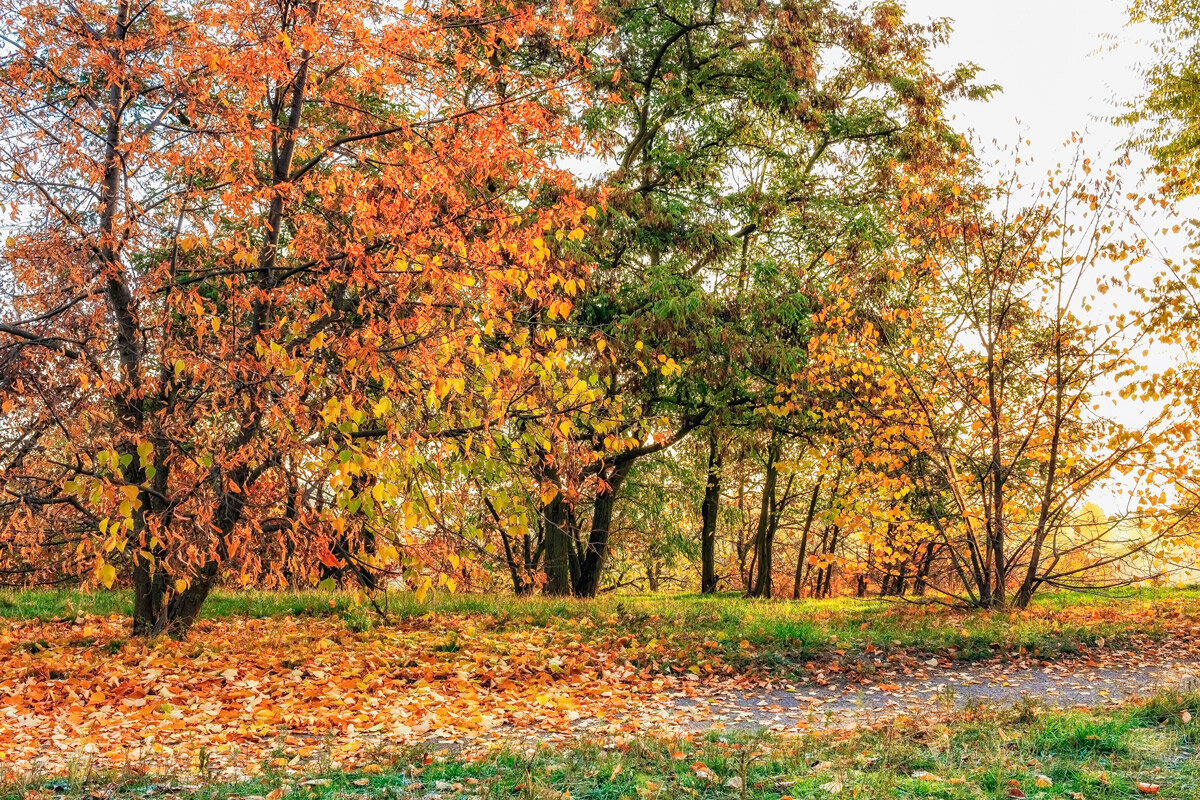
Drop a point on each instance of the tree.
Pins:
(1166, 117)
(254, 243)
(997, 383)
(710, 509)
(743, 143)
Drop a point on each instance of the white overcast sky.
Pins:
(1057, 71)
(1064, 66)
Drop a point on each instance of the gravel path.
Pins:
(834, 701)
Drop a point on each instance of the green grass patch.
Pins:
(779, 636)
(49, 605)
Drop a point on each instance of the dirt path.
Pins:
(937, 687)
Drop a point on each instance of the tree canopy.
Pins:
(565, 296)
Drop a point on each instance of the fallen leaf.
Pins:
(833, 787)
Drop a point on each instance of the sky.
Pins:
(1060, 63)
(1064, 66)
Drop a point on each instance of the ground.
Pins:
(285, 689)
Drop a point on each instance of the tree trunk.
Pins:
(556, 534)
(180, 611)
(520, 588)
(149, 596)
(184, 608)
(742, 545)
(591, 568)
(708, 515)
(1030, 582)
(802, 558)
(764, 538)
(996, 536)
(833, 540)
(922, 577)
(148, 584)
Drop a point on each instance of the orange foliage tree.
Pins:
(257, 250)
(979, 392)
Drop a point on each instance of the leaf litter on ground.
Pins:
(288, 691)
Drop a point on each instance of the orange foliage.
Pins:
(263, 250)
(241, 688)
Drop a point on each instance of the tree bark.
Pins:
(833, 541)
(595, 554)
(765, 535)
(922, 577)
(148, 589)
(176, 614)
(708, 514)
(996, 543)
(1029, 583)
(557, 537)
(802, 558)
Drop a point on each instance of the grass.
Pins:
(980, 754)
(780, 636)
(51, 604)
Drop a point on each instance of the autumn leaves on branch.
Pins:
(546, 295)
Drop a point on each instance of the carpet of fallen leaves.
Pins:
(294, 693)
(238, 693)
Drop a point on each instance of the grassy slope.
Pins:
(982, 754)
(774, 634)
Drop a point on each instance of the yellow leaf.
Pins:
(108, 574)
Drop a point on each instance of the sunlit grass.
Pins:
(58, 604)
(778, 634)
